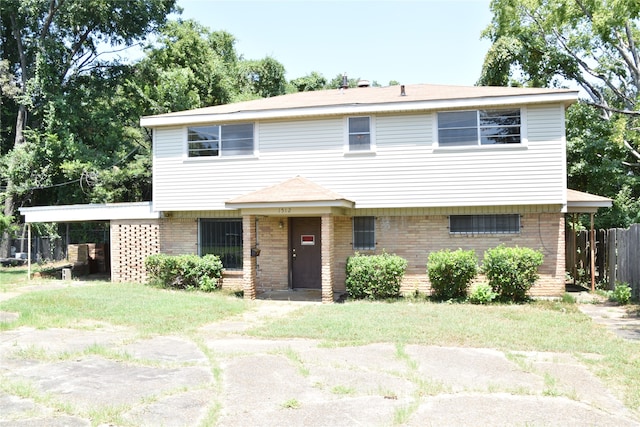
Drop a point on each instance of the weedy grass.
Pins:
(146, 309)
(548, 326)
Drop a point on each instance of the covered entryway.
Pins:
(305, 242)
(309, 210)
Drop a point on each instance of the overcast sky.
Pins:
(420, 41)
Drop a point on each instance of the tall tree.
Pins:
(589, 43)
(54, 48)
(191, 66)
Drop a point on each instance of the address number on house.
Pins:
(284, 210)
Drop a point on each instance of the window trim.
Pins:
(524, 141)
(355, 246)
(220, 156)
(372, 136)
(480, 230)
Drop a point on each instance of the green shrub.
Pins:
(375, 276)
(512, 271)
(621, 294)
(185, 271)
(482, 294)
(451, 273)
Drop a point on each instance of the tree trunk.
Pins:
(9, 201)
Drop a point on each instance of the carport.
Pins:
(84, 213)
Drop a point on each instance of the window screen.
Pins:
(222, 237)
(484, 224)
(364, 233)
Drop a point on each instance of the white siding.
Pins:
(405, 171)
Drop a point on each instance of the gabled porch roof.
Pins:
(297, 192)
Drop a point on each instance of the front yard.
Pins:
(542, 326)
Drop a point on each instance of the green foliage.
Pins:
(185, 271)
(308, 83)
(596, 164)
(482, 294)
(621, 294)
(591, 45)
(375, 276)
(511, 271)
(451, 272)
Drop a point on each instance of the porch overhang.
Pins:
(294, 197)
(580, 202)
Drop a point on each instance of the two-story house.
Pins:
(286, 188)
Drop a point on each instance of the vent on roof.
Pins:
(345, 81)
(402, 92)
(363, 83)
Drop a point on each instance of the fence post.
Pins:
(612, 257)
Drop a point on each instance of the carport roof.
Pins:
(89, 212)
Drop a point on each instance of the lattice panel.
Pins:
(132, 244)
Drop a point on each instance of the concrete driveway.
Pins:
(107, 376)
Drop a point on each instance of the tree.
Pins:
(310, 82)
(264, 77)
(591, 44)
(56, 49)
(190, 66)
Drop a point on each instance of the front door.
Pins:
(306, 255)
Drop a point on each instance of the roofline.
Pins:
(565, 97)
(89, 212)
(340, 203)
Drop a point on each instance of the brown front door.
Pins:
(306, 261)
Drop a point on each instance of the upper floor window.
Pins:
(479, 127)
(359, 133)
(220, 140)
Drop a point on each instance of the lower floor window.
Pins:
(222, 237)
(484, 224)
(364, 233)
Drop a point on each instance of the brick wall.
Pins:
(131, 243)
(179, 236)
(413, 238)
(273, 262)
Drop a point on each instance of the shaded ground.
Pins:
(73, 377)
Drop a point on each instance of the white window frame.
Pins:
(347, 133)
(478, 145)
(220, 154)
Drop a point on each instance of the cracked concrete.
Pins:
(109, 376)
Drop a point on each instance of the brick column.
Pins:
(327, 258)
(248, 262)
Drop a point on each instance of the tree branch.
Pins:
(615, 110)
(634, 152)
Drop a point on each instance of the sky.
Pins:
(419, 41)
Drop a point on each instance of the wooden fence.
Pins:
(617, 256)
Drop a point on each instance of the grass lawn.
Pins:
(149, 310)
(540, 326)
